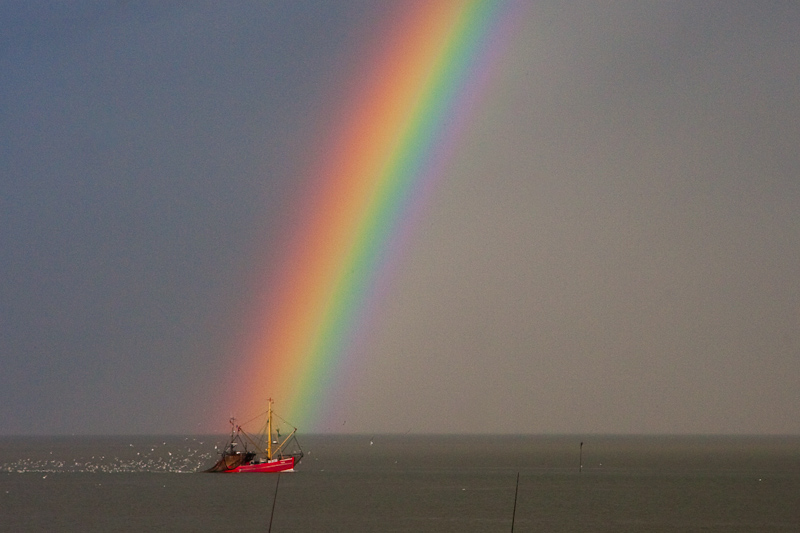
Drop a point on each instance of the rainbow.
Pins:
(369, 187)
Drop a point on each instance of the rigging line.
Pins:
(276, 415)
(259, 415)
(254, 443)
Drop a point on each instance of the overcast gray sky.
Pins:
(614, 249)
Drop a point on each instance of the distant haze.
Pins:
(615, 248)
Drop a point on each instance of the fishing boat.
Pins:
(262, 452)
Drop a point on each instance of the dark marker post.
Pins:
(580, 467)
(514, 513)
(274, 499)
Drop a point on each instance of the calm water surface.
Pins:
(407, 483)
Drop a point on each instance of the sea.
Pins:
(393, 483)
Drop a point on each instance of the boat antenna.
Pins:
(269, 433)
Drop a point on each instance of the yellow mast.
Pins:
(269, 431)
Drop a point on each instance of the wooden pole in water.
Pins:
(580, 468)
(274, 499)
(514, 513)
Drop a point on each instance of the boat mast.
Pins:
(269, 431)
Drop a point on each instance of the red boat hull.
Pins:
(276, 465)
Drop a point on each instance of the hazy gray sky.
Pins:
(615, 248)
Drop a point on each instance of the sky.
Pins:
(613, 246)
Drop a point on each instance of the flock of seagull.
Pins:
(189, 456)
